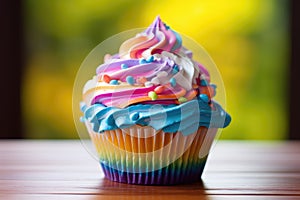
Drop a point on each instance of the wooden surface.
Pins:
(35, 169)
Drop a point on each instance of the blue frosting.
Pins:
(186, 117)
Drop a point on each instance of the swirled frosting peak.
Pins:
(158, 37)
(152, 67)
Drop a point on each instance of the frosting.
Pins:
(152, 70)
(155, 64)
(185, 118)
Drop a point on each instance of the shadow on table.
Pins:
(115, 190)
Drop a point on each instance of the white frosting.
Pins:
(188, 69)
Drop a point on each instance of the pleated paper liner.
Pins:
(142, 155)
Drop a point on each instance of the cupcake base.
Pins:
(142, 155)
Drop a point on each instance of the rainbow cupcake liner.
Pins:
(170, 175)
(142, 155)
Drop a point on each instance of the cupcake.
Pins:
(149, 110)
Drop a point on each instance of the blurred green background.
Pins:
(248, 40)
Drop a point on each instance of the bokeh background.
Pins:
(248, 40)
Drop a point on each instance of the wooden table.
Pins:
(54, 169)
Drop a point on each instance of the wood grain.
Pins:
(55, 169)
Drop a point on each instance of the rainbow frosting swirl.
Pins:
(152, 81)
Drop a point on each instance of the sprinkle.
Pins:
(175, 69)
(106, 78)
(182, 99)
(130, 80)
(142, 61)
(152, 95)
(141, 80)
(173, 82)
(114, 82)
(159, 89)
(124, 66)
(195, 86)
(150, 59)
(204, 82)
(204, 97)
(148, 84)
(134, 116)
(162, 74)
(167, 27)
(155, 81)
(209, 91)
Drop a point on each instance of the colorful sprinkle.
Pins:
(173, 82)
(142, 61)
(159, 89)
(152, 95)
(195, 86)
(141, 80)
(114, 82)
(124, 66)
(208, 90)
(204, 82)
(167, 27)
(175, 69)
(182, 99)
(134, 116)
(150, 59)
(204, 97)
(130, 80)
(106, 78)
